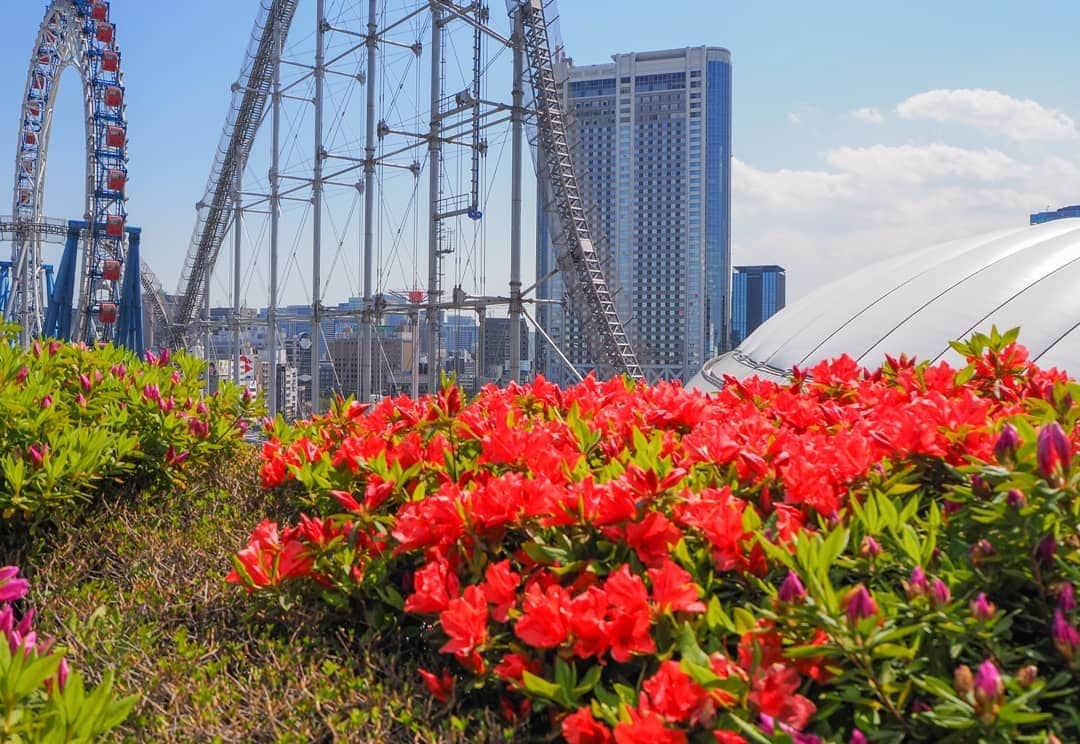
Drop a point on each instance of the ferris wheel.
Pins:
(79, 34)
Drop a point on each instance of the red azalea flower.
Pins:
(513, 667)
(630, 622)
(434, 586)
(500, 587)
(774, 695)
(544, 623)
(580, 727)
(652, 538)
(728, 737)
(441, 688)
(347, 501)
(647, 728)
(674, 589)
(673, 694)
(588, 613)
(465, 621)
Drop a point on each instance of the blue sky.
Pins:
(861, 129)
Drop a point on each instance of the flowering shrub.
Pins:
(41, 699)
(856, 555)
(74, 419)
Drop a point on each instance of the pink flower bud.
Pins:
(80, 400)
(980, 551)
(12, 588)
(85, 382)
(1007, 444)
(172, 458)
(1052, 451)
(151, 357)
(23, 374)
(982, 608)
(1065, 636)
(98, 377)
(980, 487)
(1027, 675)
(36, 349)
(46, 402)
(201, 409)
(62, 674)
(989, 690)
(869, 548)
(963, 680)
(1016, 498)
(792, 589)
(857, 737)
(176, 378)
(54, 346)
(35, 454)
(940, 594)
(859, 604)
(1067, 598)
(918, 586)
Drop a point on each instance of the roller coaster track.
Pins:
(577, 260)
(242, 124)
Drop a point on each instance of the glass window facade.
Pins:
(758, 293)
(718, 204)
(653, 159)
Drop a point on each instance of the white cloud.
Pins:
(872, 202)
(794, 118)
(921, 164)
(992, 112)
(867, 115)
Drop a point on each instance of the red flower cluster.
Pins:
(537, 526)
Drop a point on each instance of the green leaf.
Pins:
(689, 648)
(744, 620)
(539, 686)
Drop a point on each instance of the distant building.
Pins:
(287, 394)
(461, 332)
(1059, 214)
(651, 138)
(757, 293)
(497, 348)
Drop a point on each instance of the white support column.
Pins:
(317, 206)
(517, 118)
(366, 319)
(275, 215)
(238, 243)
(434, 153)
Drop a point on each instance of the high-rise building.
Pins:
(757, 292)
(497, 349)
(1059, 214)
(651, 137)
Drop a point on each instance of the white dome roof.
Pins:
(918, 302)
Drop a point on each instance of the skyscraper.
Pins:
(651, 136)
(758, 292)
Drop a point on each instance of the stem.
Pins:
(864, 664)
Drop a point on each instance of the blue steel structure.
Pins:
(78, 33)
(1039, 218)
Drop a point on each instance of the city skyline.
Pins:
(950, 122)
